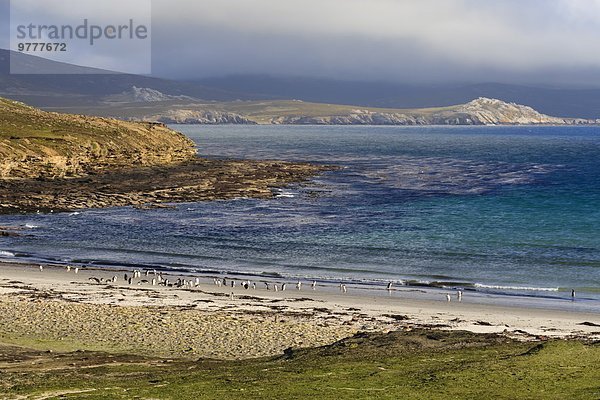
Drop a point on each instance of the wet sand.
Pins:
(58, 309)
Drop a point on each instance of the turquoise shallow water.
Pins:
(513, 210)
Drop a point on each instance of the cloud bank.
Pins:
(537, 41)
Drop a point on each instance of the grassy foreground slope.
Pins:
(421, 364)
(35, 143)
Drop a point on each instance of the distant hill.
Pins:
(144, 95)
(79, 89)
(580, 103)
(98, 92)
(482, 111)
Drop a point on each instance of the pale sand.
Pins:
(58, 309)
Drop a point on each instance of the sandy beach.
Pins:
(86, 310)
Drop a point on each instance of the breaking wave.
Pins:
(524, 288)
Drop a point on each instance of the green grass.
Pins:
(18, 121)
(36, 143)
(416, 365)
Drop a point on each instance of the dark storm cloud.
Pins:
(401, 40)
(552, 41)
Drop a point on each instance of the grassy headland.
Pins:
(38, 144)
(480, 111)
(60, 162)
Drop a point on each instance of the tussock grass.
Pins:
(410, 365)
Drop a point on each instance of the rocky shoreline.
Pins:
(195, 180)
(196, 117)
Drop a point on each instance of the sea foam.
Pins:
(524, 288)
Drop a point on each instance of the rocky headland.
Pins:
(62, 162)
(482, 111)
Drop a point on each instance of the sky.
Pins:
(555, 42)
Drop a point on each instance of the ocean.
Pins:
(502, 210)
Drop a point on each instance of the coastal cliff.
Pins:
(199, 117)
(38, 144)
(485, 111)
(482, 111)
(147, 104)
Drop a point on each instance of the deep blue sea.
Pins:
(512, 210)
